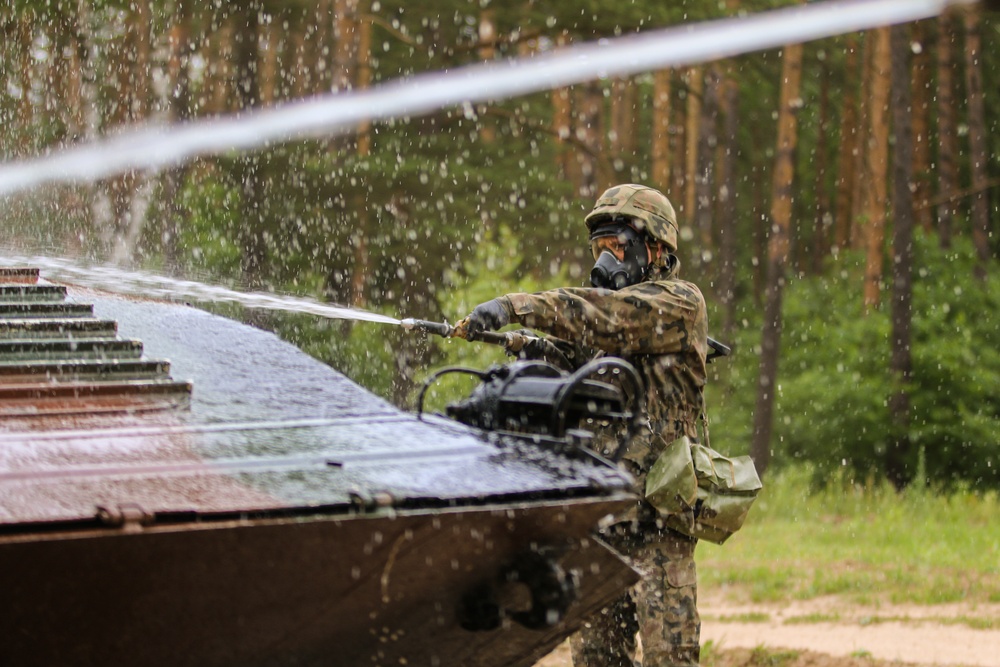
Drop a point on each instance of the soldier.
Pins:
(638, 310)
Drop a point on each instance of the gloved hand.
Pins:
(535, 348)
(488, 316)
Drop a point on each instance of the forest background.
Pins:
(838, 199)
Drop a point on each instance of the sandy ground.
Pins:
(829, 633)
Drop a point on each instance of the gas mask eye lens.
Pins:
(605, 244)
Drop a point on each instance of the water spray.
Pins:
(149, 285)
(155, 147)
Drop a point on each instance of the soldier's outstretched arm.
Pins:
(648, 318)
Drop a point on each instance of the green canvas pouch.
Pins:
(701, 493)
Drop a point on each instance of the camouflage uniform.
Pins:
(660, 326)
(658, 323)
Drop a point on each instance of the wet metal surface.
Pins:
(267, 428)
(58, 358)
(279, 514)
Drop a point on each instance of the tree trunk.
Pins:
(174, 214)
(898, 454)
(487, 52)
(678, 152)
(947, 128)
(847, 155)
(758, 225)
(921, 124)
(621, 139)
(696, 88)
(661, 130)
(65, 73)
(363, 80)
(345, 43)
(141, 56)
(91, 204)
(25, 35)
(589, 130)
(131, 217)
(221, 53)
(269, 50)
(118, 189)
(562, 121)
(362, 257)
(862, 177)
(727, 219)
(823, 219)
(322, 47)
(978, 151)
(703, 176)
(777, 255)
(345, 60)
(876, 174)
(297, 68)
(251, 226)
(245, 31)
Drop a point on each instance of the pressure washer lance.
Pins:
(515, 341)
(512, 341)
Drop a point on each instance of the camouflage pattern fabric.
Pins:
(661, 327)
(648, 209)
(662, 608)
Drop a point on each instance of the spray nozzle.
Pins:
(440, 328)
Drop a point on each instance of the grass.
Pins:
(808, 619)
(974, 622)
(714, 655)
(749, 617)
(863, 541)
(765, 657)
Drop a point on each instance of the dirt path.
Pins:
(927, 635)
(826, 632)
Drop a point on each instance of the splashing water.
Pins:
(121, 281)
(330, 115)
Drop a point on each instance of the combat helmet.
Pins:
(649, 208)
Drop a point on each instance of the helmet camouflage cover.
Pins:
(649, 209)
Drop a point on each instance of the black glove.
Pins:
(488, 316)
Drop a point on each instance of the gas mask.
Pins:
(610, 273)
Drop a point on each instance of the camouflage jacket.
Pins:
(660, 326)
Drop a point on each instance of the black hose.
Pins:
(585, 371)
(444, 371)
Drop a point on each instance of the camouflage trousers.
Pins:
(661, 608)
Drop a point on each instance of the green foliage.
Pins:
(831, 407)
(207, 241)
(956, 357)
(495, 269)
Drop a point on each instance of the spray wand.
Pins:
(512, 341)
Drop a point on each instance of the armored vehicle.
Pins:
(177, 488)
